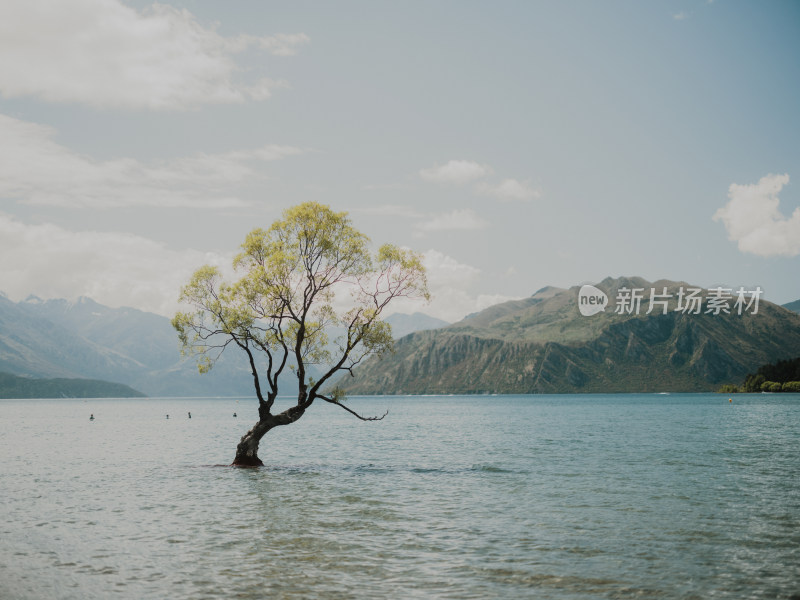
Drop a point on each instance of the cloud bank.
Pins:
(35, 169)
(462, 172)
(753, 219)
(122, 269)
(116, 269)
(105, 54)
(456, 172)
(509, 189)
(450, 283)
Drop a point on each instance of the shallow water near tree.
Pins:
(673, 496)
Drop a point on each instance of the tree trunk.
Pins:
(247, 450)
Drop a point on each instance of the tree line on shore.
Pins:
(781, 376)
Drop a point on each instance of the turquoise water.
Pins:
(602, 496)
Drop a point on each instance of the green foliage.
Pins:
(337, 394)
(729, 388)
(782, 370)
(774, 377)
(771, 386)
(752, 383)
(792, 387)
(294, 279)
(400, 267)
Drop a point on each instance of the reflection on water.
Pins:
(448, 497)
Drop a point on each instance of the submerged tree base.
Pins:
(247, 461)
(247, 451)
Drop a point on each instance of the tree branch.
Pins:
(352, 412)
(244, 346)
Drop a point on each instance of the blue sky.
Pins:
(515, 144)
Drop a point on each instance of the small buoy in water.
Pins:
(91, 417)
(730, 399)
(190, 415)
(234, 414)
(168, 416)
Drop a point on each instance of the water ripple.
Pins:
(453, 497)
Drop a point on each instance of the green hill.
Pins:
(12, 386)
(542, 344)
(793, 306)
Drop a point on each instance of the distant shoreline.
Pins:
(26, 388)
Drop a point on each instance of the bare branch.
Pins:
(246, 347)
(352, 412)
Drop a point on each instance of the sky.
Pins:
(515, 145)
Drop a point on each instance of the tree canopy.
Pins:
(310, 274)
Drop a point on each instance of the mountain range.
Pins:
(537, 344)
(84, 339)
(543, 344)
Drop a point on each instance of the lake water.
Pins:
(601, 496)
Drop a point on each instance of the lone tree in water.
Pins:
(282, 309)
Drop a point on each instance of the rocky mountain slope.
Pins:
(543, 344)
(84, 339)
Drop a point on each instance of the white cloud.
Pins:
(37, 170)
(461, 172)
(753, 219)
(450, 284)
(121, 269)
(116, 269)
(105, 54)
(443, 270)
(456, 172)
(680, 16)
(464, 219)
(509, 189)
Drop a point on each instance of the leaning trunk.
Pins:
(247, 450)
